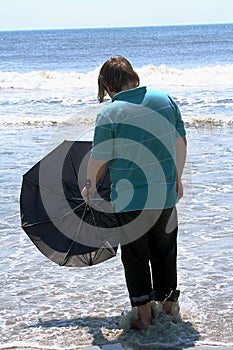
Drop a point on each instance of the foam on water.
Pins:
(207, 76)
(47, 98)
(48, 80)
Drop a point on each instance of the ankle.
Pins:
(170, 307)
(145, 315)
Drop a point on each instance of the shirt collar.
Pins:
(135, 95)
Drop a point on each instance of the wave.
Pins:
(87, 122)
(206, 76)
(40, 98)
(46, 80)
(209, 120)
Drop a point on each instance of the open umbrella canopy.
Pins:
(54, 215)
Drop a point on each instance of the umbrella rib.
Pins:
(41, 186)
(54, 220)
(106, 244)
(76, 235)
(73, 167)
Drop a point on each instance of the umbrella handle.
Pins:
(88, 186)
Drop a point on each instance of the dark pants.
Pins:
(150, 260)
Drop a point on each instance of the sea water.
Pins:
(48, 93)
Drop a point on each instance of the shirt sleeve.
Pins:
(179, 122)
(102, 146)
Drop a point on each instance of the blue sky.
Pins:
(44, 14)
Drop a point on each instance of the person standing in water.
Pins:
(140, 136)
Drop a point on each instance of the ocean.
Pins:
(48, 89)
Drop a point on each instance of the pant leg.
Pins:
(158, 248)
(163, 255)
(135, 257)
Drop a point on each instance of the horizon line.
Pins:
(114, 27)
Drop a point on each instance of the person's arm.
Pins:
(95, 169)
(181, 151)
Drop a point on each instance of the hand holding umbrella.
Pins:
(88, 192)
(95, 170)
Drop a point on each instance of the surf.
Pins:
(200, 76)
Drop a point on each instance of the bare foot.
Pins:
(167, 307)
(144, 317)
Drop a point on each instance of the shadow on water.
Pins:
(107, 334)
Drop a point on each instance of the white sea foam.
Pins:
(46, 80)
(206, 76)
(55, 97)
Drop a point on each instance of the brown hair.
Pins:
(115, 73)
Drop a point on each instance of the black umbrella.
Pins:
(57, 220)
